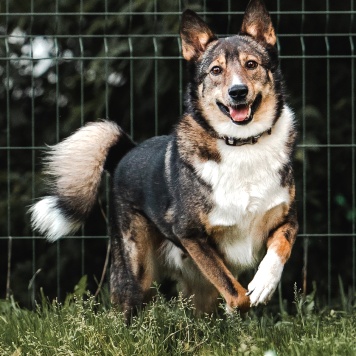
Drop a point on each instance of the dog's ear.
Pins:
(257, 23)
(195, 35)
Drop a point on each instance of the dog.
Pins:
(211, 200)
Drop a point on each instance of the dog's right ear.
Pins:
(195, 35)
(257, 23)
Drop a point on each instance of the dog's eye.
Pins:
(251, 64)
(216, 70)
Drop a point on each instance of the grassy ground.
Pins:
(82, 326)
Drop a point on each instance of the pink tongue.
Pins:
(239, 114)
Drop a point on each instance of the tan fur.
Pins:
(214, 269)
(197, 142)
(141, 240)
(67, 163)
(279, 244)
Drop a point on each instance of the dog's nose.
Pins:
(238, 92)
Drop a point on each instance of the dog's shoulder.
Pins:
(194, 140)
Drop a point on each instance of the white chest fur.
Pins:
(244, 184)
(246, 187)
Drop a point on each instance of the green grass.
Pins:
(82, 326)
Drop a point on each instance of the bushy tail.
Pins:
(74, 167)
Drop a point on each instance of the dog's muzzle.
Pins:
(241, 113)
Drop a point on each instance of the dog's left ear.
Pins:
(257, 23)
(195, 35)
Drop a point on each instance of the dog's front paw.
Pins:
(240, 303)
(265, 281)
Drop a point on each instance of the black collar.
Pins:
(233, 141)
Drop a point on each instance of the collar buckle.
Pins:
(230, 141)
(254, 139)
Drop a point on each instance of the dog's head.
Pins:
(236, 82)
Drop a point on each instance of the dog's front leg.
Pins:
(213, 268)
(268, 275)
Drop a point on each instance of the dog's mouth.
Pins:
(240, 114)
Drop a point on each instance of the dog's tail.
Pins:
(74, 167)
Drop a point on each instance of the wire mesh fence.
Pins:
(66, 63)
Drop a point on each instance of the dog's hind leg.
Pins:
(132, 261)
(204, 294)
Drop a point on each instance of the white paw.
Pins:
(266, 280)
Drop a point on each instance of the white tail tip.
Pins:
(49, 220)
